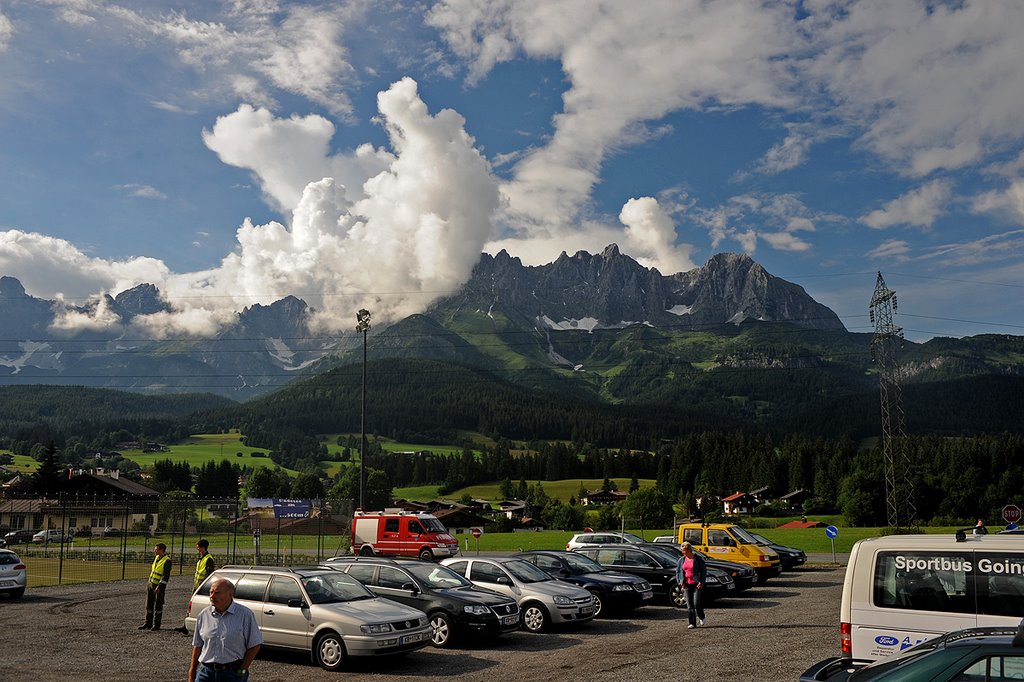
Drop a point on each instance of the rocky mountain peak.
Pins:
(11, 288)
(141, 300)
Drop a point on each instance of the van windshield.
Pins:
(432, 525)
(743, 536)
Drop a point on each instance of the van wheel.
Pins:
(366, 551)
(535, 618)
(677, 595)
(426, 555)
(329, 651)
(597, 602)
(442, 628)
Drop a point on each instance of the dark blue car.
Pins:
(613, 592)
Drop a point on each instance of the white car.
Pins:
(602, 538)
(543, 600)
(13, 574)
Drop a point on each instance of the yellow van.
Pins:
(730, 542)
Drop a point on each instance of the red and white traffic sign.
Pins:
(1011, 513)
(477, 532)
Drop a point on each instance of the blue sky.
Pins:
(360, 153)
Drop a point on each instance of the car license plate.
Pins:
(648, 595)
(6, 583)
(409, 639)
(586, 610)
(509, 620)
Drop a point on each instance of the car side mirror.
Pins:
(503, 580)
(411, 588)
(564, 573)
(296, 603)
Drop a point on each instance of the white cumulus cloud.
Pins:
(920, 207)
(651, 237)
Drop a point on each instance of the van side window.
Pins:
(719, 538)
(415, 527)
(694, 536)
(390, 525)
(925, 581)
(1000, 587)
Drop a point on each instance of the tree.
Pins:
(267, 482)
(649, 507)
(634, 484)
(308, 486)
(47, 479)
(609, 485)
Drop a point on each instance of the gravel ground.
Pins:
(773, 632)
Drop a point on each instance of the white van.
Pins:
(904, 589)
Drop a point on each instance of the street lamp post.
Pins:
(363, 325)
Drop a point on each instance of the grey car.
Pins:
(13, 574)
(543, 600)
(319, 610)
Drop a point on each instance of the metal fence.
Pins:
(110, 538)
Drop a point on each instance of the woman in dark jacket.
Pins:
(691, 572)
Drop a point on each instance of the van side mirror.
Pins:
(411, 588)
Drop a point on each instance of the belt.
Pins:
(225, 666)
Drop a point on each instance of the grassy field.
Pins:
(205, 447)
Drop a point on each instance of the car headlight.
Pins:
(562, 601)
(623, 588)
(375, 628)
(476, 610)
(711, 579)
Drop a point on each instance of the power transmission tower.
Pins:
(899, 482)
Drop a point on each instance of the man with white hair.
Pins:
(226, 639)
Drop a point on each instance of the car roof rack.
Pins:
(285, 569)
(345, 558)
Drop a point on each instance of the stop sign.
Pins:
(477, 532)
(1011, 513)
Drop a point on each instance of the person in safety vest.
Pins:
(159, 575)
(204, 567)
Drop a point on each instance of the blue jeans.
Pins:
(206, 674)
(695, 610)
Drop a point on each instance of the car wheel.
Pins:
(366, 551)
(17, 594)
(442, 628)
(677, 595)
(535, 618)
(426, 555)
(597, 602)
(329, 651)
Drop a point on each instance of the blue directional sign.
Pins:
(291, 509)
(832, 532)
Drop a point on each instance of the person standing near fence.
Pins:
(204, 567)
(159, 576)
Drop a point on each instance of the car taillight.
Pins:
(845, 638)
(19, 567)
(190, 607)
(567, 547)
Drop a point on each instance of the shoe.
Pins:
(146, 627)
(155, 628)
(700, 621)
(183, 630)
(690, 627)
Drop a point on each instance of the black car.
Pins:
(658, 568)
(974, 654)
(789, 557)
(743, 576)
(613, 592)
(455, 606)
(18, 537)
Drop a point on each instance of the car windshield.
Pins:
(742, 535)
(666, 557)
(525, 572)
(632, 539)
(760, 539)
(438, 577)
(331, 588)
(582, 564)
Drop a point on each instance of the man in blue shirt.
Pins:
(226, 639)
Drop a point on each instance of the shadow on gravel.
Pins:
(744, 603)
(422, 663)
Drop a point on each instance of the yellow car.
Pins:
(729, 541)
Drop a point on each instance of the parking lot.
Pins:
(773, 632)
